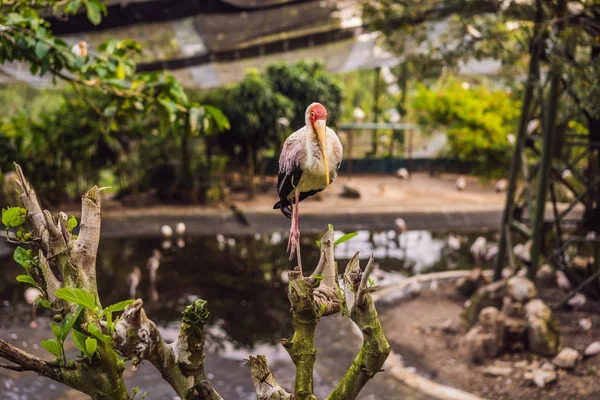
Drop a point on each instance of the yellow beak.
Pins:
(321, 128)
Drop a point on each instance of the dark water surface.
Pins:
(244, 281)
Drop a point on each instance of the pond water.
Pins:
(242, 278)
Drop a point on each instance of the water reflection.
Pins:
(243, 278)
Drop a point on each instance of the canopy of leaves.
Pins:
(477, 121)
(304, 83)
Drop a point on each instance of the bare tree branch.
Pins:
(27, 362)
(180, 363)
(264, 383)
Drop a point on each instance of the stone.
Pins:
(486, 296)
(543, 335)
(592, 349)
(562, 281)
(494, 370)
(402, 173)
(577, 301)
(579, 264)
(548, 366)
(520, 289)
(485, 340)
(521, 364)
(466, 286)
(541, 377)
(567, 358)
(545, 273)
(350, 191)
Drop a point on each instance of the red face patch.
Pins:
(318, 112)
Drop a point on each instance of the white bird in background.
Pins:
(566, 173)
(453, 242)
(80, 49)
(491, 252)
(180, 228)
(479, 249)
(473, 32)
(166, 231)
(532, 126)
(30, 295)
(153, 264)
(401, 225)
(402, 173)
(134, 280)
(501, 185)
(461, 183)
(359, 114)
(309, 161)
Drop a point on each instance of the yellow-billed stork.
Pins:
(308, 163)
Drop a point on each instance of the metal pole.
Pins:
(375, 110)
(532, 79)
(549, 129)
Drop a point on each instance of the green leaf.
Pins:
(14, 216)
(135, 390)
(120, 306)
(55, 329)
(77, 296)
(95, 331)
(318, 242)
(41, 50)
(120, 71)
(26, 279)
(42, 302)
(94, 11)
(90, 347)
(72, 223)
(68, 323)
(52, 346)
(23, 256)
(217, 115)
(330, 227)
(345, 238)
(79, 340)
(144, 395)
(318, 277)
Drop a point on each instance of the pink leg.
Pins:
(294, 240)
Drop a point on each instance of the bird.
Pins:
(402, 173)
(586, 325)
(31, 294)
(153, 264)
(134, 280)
(80, 49)
(180, 228)
(461, 183)
(453, 242)
(501, 185)
(309, 162)
(479, 249)
(401, 225)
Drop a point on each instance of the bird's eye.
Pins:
(312, 114)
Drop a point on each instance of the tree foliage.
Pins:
(478, 121)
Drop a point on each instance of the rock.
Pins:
(543, 335)
(548, 366)
(545, 273)
(350, 191)
(485, 340)
(520, 289)
(466, 286)
(486, 296)
(579, 264)
(562, 281)
(567, 358)
(511, 308)
(577, 301)
(541, 377)
(521, 364)
(592, 349)
(497, 371)
(461, 183)
(585, 324)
